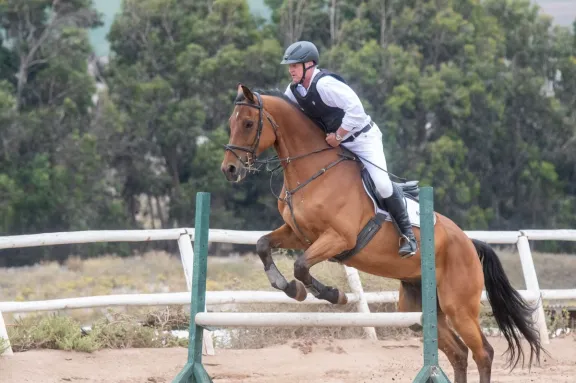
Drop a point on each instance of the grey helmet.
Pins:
(301, 52)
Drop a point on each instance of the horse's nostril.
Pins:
(231, 169)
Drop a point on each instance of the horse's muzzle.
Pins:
(234, 172)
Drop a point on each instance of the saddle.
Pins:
(409, 189)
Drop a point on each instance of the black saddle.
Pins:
(409, 189)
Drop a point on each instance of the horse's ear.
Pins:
(247, 92)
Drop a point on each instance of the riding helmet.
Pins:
(301, 52)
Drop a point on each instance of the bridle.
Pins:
(251, 151)
(251, 160)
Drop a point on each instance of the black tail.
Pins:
(511, 312)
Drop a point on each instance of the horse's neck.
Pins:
(298, 136)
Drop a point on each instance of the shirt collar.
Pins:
(314, 73)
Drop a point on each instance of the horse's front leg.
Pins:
(325, 247)
(283, 238)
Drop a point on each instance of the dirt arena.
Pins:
(323, 361)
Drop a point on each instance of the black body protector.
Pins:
(327, 117)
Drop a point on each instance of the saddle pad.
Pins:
(412, 207)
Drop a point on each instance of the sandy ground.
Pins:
(324, 361)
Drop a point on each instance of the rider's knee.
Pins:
(384, 186)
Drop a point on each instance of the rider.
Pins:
(329, 101)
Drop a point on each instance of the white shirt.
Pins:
(335, 93)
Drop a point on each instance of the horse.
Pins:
(329, 214)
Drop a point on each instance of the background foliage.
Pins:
(478, 100)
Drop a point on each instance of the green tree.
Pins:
(173, 77)
(52, 176)
(459, 90)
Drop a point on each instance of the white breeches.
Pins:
(369, 146)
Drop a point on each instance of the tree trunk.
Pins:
(151, 210)
(333, 17)
(293, 20)
(383, 26)
(160, 213)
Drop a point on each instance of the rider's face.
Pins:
(296, 71)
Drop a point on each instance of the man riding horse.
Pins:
(333, 219)
(326, 98)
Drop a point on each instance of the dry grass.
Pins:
(150, 272)
(246, 273)
(116, 331)
(161, 272)
(555, 271)
(3, 345)
(153, 272)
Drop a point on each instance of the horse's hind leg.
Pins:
(325, 247)
(284, 238)
(459, 296)
(467, 325)
(410, 300)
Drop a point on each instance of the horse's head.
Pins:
(250, 134)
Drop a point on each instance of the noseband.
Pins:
(251, 156)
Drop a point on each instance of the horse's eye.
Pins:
(249, 124)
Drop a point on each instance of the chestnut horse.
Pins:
(325, 206)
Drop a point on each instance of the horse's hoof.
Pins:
(296, 290)
(333, 295)
(342, 298)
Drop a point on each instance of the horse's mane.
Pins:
(275, 92)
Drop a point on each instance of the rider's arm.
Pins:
(337, 94)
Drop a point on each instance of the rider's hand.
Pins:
(331, 140)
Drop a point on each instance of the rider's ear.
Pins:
(248, 93)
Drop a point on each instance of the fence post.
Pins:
(362, 304)
(532, 285)
(431, 371)
(187, 257)
(193, 371)
(4, 335)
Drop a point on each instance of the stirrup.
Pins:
(407, 242)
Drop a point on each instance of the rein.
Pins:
(251, 158)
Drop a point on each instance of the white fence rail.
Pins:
(185, 236)
(215, 298)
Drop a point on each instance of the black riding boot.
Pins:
(397, 209)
